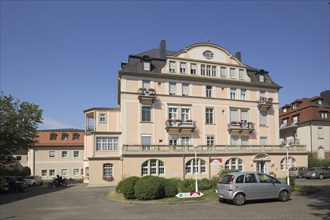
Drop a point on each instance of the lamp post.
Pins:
(287, 163)
(196, 167)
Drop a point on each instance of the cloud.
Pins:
(49, 123)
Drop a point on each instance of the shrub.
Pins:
(119, 187)
(187, 185)
(204, 184)
(150, 187)
(128, 187)
(26, 171)
(214, 181)
(171, 187)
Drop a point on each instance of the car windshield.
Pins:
(225, 179)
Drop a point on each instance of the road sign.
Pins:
(189, 195)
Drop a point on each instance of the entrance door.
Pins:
(261, 166)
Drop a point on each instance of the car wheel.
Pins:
(321, 176)
(239, 199)
(283, 196)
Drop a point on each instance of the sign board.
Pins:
(189, 195)
(216, 161)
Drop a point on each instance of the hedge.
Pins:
(150, 187)
(127, 187)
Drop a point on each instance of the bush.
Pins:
(214, 181)
(128, 187)
(119, 187)
(204, 184)
(171, 187)
(26, 171)
(150, 187)
(187, 185)
(314, 162)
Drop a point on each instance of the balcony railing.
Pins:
(242, 126)
(90, 128)
(265, 103)
(223, 149)
(179, 125)
(288, 126)
(146, 95)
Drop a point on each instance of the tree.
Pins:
(18, 126)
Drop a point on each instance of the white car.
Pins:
(34, 180)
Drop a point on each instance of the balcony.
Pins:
(265, 103)
(241, 127)
(208, 149)
(146, 95)
(289, 126)
(176, 125)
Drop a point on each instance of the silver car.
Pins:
(242, 186)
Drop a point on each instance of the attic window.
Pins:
(208, 54)
(295, 105)
(65, 136)
(324, 115)
(261, 78)
(146, 65)
(285, 109)
(52, 136)
(319, 101)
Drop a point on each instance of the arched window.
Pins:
(152, 167)
(192, 167)
(108, 171)
(320, 153)
(284, 164)
(234, 164)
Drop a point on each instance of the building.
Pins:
(58, 152)
(306, 121)
(174, 103)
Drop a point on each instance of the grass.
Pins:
(305, 189)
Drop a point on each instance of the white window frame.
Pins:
(172, 66)
(209, 115)
(64, 172)
(208, 91)
(223, 72)
(183, 68)
(74, 154)
(193, 68)
(209, 140)
(50, 154)
(41, 173)
(146, 65)
(50, 173)
(106, 143)
(67, 154)
(185, 89)
(243, 94)
(146, 113)
(241, 74)
(76, 174)
(232, 73)
(172, 88)
(185, 114)
(233, 93)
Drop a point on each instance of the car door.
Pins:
(251, 187)
(267, 187)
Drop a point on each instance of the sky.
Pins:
(65, 55)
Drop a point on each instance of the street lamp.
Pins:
(196, 167)
(287, 163)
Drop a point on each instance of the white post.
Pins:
(287, 163)
(196, 168)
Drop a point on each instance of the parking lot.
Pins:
(79, 202)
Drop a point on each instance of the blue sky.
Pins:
(64, 55)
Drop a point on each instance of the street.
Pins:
(79, 202)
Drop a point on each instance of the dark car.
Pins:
(16, 183)
(4, 186)
(297, 172)
(317, 173)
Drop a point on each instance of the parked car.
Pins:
(16, 183)
(34, 180)
(297, 172)
(4, 185)
(317, 173)
(242, 186)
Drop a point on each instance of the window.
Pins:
(75, 172)
(245, 140)
(173, 140)
(203, 70)
(209, 91)
(146, 84)
(75, 136)
(51, 172)
(146, 141)
(64, 172)
(185, 140)
(173, 113)
(185, 89)
(209, 140)
(241, 74)
(233, 115)
(208, 54)
(185, 114)
(76, 154)
(192, 167)
(232, 93)
(193, 68)
(172, 88)
(146, 65)
(295, 105)
(52, 154)
(18, 158)
(152, 167)
(285, 122)
(232, 73)
(234, 164)
(106, 143)
(208, 70)
(295, 120)
(261, 78)
(250, 178)
(223, 72)
(53, 136)
(64, 154)
(244, 115)
(65, 136)
(44, 173)
(243, 94)
(209, 116)
(285, 165)
(103, 117)
(182, 67)
(172, 67)
(214, 71)
(320, 133)
(320, 153)
(107, 170)
(234, 140)
(263, 118)
(146, 113)
(324, 115)
(240, 179)
(263, 141)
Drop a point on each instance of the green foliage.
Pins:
(18, 125)
(204, 184)
(150, 187)
(171, 187)
(128, 187)
(15, 171)
(227, 171)
(187, 185)
(214, 181)
(314, 162)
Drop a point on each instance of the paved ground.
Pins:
(79, 202)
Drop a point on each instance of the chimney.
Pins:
(238, 56)
(162, 49)
(326, 97)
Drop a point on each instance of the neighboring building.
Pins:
(173, 101)
(306, 121)
(58, 152)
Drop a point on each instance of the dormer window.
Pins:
(75, 136)
(319, 101)
(285, 110)
(295, 105)
(53, 136)
(146, 65)
(65, 136)
(295, 119)
(208, 54)
(172, 67)
(324, 115)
